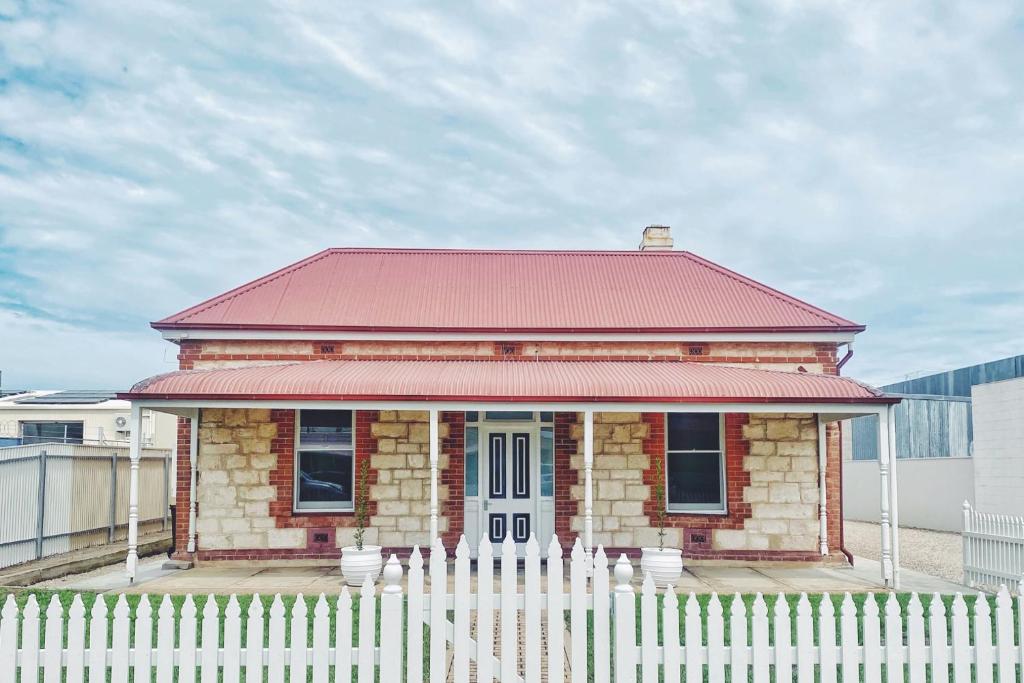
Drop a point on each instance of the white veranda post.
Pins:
(822, 480)
(433, 435)
(588, 481)
(193, 448)
(134, 452)
(894, 501)
(884, 466)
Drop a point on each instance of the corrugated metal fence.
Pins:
(55, 498)
(926, 427)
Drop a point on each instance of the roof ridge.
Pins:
(770, 291)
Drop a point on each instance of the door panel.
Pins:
(497, 461)
(496, 528)
(521, 484)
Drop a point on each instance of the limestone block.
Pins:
(212, 415)
(808, 448)
(212, 477)
(805, 464)
(755, 494)
(245, 433)
(387, 445)
(384, 521)
(410, 447)
(257, 492)
(234, 462)
(623, 538)
(576, 462)
(648, 538)
(638, 461)
(639, 492)
(601, 507)
(768, 526)
(753, 463)
(388, 416)
(266, 431)
(383, 492)
(611, 490)
(234, 417)
(753, 431)
(218, 448)
(286, 538)
(417, 460)
(258, 414)
(791, 542)
(809, 433)
(778, 463)
(628, 522)
(780, 510)
(758, 542)
(626, 475)
(217, 435)
(621, 508)
(419, 433)
(244, 476)
(216, 496)
(399, 475)
(236, 525)
(263, 461)
(762, 448)
(576, 432)
(250, 540)
(345, 537)
(214, 542)
(729, 539)
(389, 429)
(779, 492)
(617, 417)
(802, 477)
(783, 429)
(621, 434)
(420, 538)
(609, 523)
(393, 507)
(413, 415)
(256, 510)
(384, 476)
(412, 489)
(639, 431)
(392, 538)
(804, 527)
(409, 523)
(388, 462)
(610, 462)
(207, 525)
(766, 476)
(262, 523)
(420, 508)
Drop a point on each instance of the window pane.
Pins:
(547, 417)
(508, 415)
(547, 461)
(52, 432)
(472, 416)
(693, 432)
(472, 461)
(325, 479)
(694, 479)
(327, 428)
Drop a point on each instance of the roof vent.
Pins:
(656, 238)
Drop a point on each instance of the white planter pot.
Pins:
(356, 564)
(664, 565)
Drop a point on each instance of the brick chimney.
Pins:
(656, 238)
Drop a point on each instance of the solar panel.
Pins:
(72, 396)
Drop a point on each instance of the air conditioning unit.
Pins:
(121, 422)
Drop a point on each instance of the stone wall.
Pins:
(783, 491)
(771, 487)
(402, 491)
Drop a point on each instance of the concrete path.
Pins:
(862, 577)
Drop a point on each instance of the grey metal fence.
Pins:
(55, 498)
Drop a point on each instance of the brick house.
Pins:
(509, 392)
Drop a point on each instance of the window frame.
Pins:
(297, 450)
(699, 508)
(41, 439)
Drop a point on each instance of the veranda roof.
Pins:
(505, 381)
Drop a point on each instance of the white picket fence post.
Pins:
(993, 549)
(678, 640)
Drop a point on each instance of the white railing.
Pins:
(482, 635)
(993, 549)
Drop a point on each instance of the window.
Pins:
(52, 432)
(693, 459)
(325, 460)
(547, 461)
(472, 465)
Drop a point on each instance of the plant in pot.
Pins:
(360, 560)
(665, 565)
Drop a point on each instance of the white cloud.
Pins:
(863, 156)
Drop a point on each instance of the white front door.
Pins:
(509, 480)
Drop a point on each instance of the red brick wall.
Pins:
(565, 477)
(454, 476)
(183, 482)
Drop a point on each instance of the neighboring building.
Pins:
(509, 392)
(937, 425)
(78, 417)
(999, 447)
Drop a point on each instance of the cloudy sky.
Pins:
(866, 156)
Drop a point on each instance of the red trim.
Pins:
(160, 325)
(503, 399)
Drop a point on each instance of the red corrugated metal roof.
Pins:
(506, 291)
(605, 381)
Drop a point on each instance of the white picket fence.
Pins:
(902, 646)
(993, 549)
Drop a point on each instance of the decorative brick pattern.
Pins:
(452, 477)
